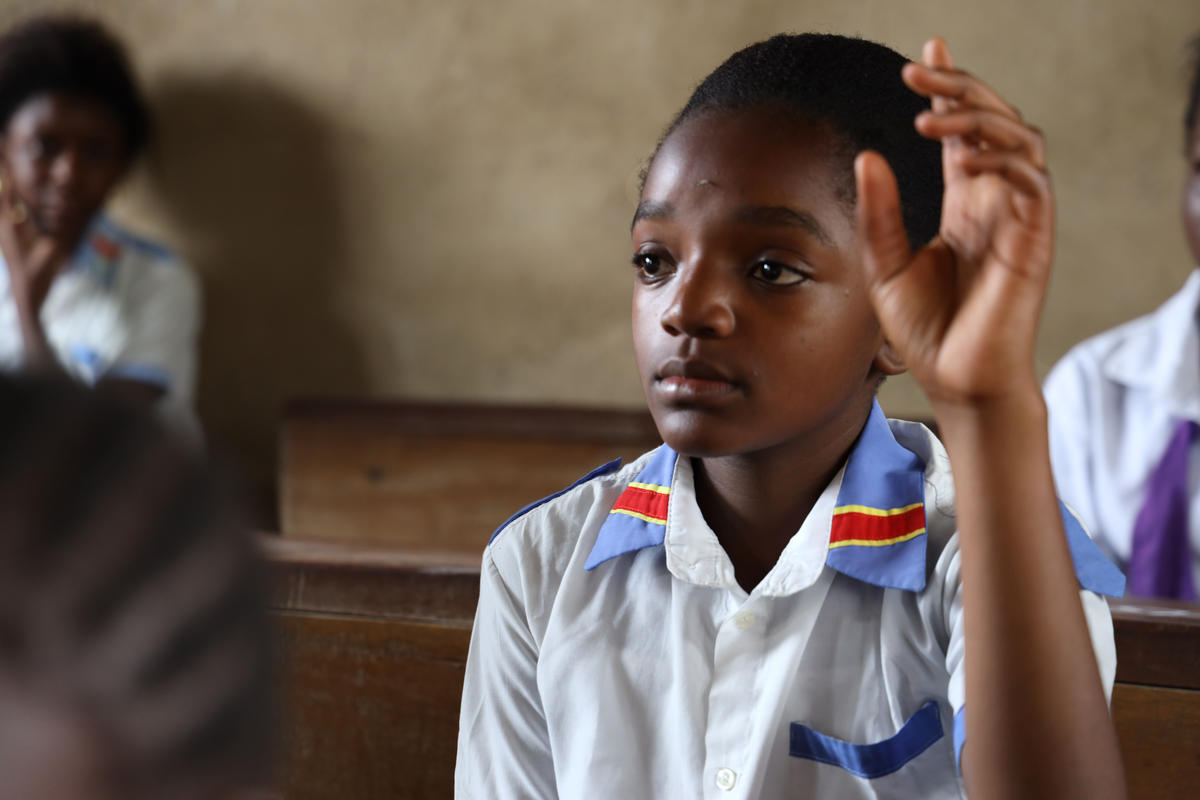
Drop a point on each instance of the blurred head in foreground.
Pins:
(133, 640)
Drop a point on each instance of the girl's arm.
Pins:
(503, 741)
(963, 313)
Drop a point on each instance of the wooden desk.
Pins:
(375, 642)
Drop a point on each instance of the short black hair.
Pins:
(1193, 104)
(77, 56)
(851, 85)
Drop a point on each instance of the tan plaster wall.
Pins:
(431, 197)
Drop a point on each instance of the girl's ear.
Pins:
(888, 361)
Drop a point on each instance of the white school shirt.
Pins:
(615, 655)
(122, 307)
(1115, 401)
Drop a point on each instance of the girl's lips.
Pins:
(694, 381)
(679, 388)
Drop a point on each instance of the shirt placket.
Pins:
(737, 664)
(743, 677)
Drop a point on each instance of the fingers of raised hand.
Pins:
(986, 130)
(880, 226)
(952, 88)
(1016, 170)
(948, 87)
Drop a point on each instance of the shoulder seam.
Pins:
(161, 253)
(604, 469)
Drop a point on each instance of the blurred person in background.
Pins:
(78, 293)
(134, 646)
(1124, 413)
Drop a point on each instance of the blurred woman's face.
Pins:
(62, 155)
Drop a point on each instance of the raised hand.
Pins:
(33, 258)
(962, 311)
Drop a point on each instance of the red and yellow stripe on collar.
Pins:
(864, 526)
(644, 501)
(107, 248)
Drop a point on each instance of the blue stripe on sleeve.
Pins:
(960, 736)
(1095, 572)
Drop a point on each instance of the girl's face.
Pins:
(1191, 195)
(751, 324)
(63, 155)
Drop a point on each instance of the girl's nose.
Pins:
(65, 169)
(701, 306)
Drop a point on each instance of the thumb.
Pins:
(880, 227)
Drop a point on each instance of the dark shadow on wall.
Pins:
(246, 175)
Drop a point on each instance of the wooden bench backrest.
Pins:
(440, 476)
(375, 643)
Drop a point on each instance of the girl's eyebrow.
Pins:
(777, 216)
(649, 209)
(769, 216)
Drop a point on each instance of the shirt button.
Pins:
(745, 620)
(726, 778)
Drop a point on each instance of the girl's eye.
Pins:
(42, 147)
(99, 151)
(777, 274)
(649, 266)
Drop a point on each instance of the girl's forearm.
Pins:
(38, 352)
(1037, 719)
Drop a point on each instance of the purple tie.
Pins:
(1160, 564)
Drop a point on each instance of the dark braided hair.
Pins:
(851, 85)
(130, 595)
(72, 55)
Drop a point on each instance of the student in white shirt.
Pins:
(1118, 400)
(78, 293)
(783, 600)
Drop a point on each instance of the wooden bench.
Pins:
(373, 648)
(439, 476)
(1156, 701)
(374, 643)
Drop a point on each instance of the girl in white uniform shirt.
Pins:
(1124, 411)
(785, 599)
(78, 293)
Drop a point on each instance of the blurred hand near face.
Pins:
(33, 258)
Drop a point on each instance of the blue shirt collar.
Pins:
(877, 532)
(98, 248)
(878, 529)
(639, 517)
(881, 477)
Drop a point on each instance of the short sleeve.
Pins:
(1096, 613)
(503, 741)
(162, 305)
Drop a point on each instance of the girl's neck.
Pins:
(756, 502)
